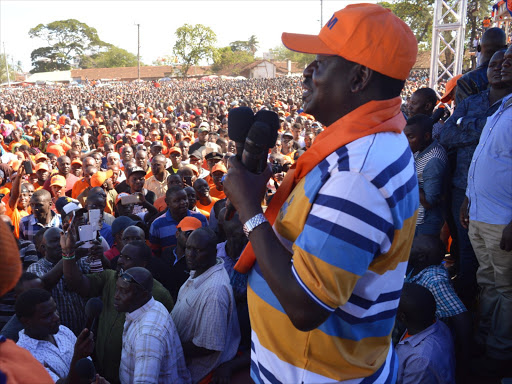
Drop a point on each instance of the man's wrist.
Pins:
(249, 213)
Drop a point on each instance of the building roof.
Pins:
(55, 76)
(129, 73)
(240, 68)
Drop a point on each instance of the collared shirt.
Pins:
(463, 138)
(437, 280)
(56, 359)
(427, 357)
(71, 305)
(152, 350)
(158, 187)
(162, 233)
(472, 83)
(29, 225)
(490, 174)
(237, 280)
(204, 304)
(108, 343)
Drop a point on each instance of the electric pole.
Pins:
(7, 68)
(138, 51)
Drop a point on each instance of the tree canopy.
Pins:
(193, 44)
(12, 69)
(226, 57)
(250, 45)
(282, 53)
(110, 58)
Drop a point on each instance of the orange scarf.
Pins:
(370, 118)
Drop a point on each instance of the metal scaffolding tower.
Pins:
(447, 40)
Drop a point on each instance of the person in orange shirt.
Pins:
(17, 140)
(18, 204)
(84, 184)
(204, 200)
(42, 174)
(218, 172)
(57, 146)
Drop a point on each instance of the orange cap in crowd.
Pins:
(450, 85)
(58, 180)
(366, 34)
(189, 223)
(99, 178)
(44, 166)
(219, 167)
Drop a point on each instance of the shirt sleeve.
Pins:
(149, 351)
(447, 302)
(154, 236)
(433, 177)
(417, 370)
(97, 282)
(344, 231)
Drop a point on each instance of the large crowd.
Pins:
(116, 192)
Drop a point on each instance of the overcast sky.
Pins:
(115, 22)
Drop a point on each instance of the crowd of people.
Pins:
(118, 195)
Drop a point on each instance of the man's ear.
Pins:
(361, 77)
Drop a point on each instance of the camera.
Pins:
(276, 167)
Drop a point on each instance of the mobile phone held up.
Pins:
(130, 199)
(28, 167)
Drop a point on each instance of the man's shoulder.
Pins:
(198, 216)
(27, 219)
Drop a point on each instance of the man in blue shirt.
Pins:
(489, 196)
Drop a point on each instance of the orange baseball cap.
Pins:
(189, 223)
(76, 161)
(219, 167)
(99, 178)
(174, 150)
(58, 180)
(40, 156)
(367, 34)
(450, 85)
(42, 166)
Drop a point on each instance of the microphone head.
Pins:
(272, 120)
(85, 369)
(260, 134)
(93, 307)
(239, 122)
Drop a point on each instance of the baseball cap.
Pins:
(76, 161)
(450, 84)
(42, 166)
(219, 167)
(189, 223)
(121, 223)
(213, 155)
(58, 180)
(157, 144)
(119, 196)
(197, 154)
(40, 156)
(367, 34)
(135, 170)
(66, 204)
(100, 177)
(174, 150)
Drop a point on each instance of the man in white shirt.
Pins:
(152, 350)
(205, 313)
(51, 343)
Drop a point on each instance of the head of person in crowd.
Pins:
(133, 233)
(58, 186)
(89, 161)
(158, 166)
(175, 156)
(184, 228)
(156, 148)
(123, 208)
(26, 192)
(419, 132)
(53, 160)
(97, 158)
(177, 203)
(76, 168)
(494, 39)
(201, 250)
(308, 139)
(133, 289)
(136, 179)
(202, 190)
(236, 240)
(506, 67)
(141, 159)
(39, 242)
(174, 179)
(51, 239)
(28, 280)
(188, 174)
(89, 171)
(218, 172)
(37, 311)
(426, 250)
(96, 199)
(126, 153)
(118, 227)
(417, 308)
(202, 133)
(191, 197)
(196, 159)
(212, 159)
(422, 102)
(64, 165)
(113, 158)
(116, 172)
(494, 71)
(135, 253)
(184, 146)
(108, 148)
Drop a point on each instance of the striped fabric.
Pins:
(350, 224)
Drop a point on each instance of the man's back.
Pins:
(152, 349)
(349, 224)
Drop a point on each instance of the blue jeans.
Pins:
(467, 264)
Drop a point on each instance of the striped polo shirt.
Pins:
(349, 223)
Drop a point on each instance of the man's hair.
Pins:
(423, 122)
(160, 157)
(212, 237)
(25, 276)
(172, 190)
(42, 193)
(142, 248)
(428, 94)
(493, 40)
(418, 304)
(26, 302)
(430, 246)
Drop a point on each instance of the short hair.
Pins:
(42, 193)
(428, 94)
(25, 276)
(423, 122)
(212, 237)
(172, 190)
(26, 302)
(143, 250)
(418, 304)
(160, 157)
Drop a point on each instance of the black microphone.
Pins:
(93, 309)
(240, 121)
(85, 370)
(254, 156)
(438, 114)
(272, 120)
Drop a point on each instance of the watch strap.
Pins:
(253, 222)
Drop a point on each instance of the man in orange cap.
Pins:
(332, 247)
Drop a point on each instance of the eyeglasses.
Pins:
(130, 279)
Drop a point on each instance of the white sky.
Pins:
(114, 20)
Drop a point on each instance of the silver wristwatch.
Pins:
(253, 222)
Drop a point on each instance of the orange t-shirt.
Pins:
(16, 216)
(78, 188)
(206, 208)
(219, 195)
(160, 204)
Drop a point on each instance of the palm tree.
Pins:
(253, 44)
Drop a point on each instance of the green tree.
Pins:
(13, 69)
(225, 57)
(282, 53)
(193, 44)
(110, 58)
(239, 46)
(253, 44)
(67, 41)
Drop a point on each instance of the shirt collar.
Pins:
(206, 275)
(416, 339)
(137, 314)
(426, 150)
(33, 220)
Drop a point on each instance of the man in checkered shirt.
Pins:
(42, 216)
